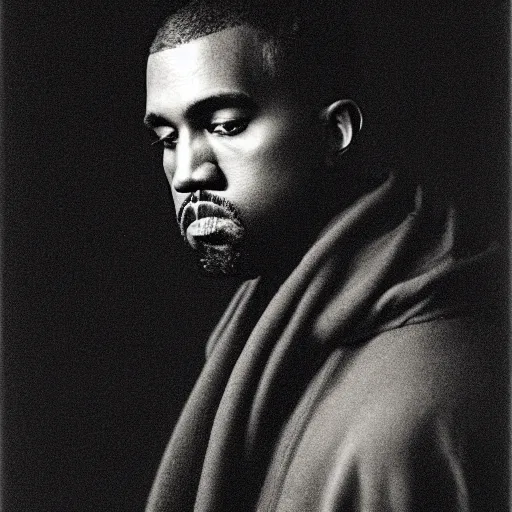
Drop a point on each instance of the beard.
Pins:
(221, 262)
(211, 225)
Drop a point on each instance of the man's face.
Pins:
(243, 155)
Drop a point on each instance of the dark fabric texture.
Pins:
(362, 385)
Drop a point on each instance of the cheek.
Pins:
(266, 187)
(168, 165)
(283, 138)
(275, 163)
(177, 199)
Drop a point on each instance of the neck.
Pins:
(335, 198)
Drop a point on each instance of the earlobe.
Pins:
(344, 120)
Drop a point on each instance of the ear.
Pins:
(343, 120)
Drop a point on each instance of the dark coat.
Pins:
(374, 380)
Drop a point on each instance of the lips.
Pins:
(204, 222)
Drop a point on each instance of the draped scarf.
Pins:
(387, 261)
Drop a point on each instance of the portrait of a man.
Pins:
(347, 373)
(255, 256)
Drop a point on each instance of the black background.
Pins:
(105, 317)
(104, 314)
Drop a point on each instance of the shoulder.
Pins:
(413, 415)
(440, 366)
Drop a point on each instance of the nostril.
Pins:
(206, 176)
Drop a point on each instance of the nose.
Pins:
(195, 165)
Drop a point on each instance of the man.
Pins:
(353, 368)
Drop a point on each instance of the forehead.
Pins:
(229, 60)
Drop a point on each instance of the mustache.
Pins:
(204, 195)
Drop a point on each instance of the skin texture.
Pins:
(230, 129)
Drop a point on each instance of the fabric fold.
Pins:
(385, 262)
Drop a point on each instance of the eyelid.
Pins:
(168, 139)
(164, 131)
(225, 115)
(157, 141)
(238, 126)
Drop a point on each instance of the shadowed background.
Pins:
(104, 314)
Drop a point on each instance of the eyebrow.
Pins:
(204, 107)
(152, 120)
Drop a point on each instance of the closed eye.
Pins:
(168, 141)
(229, 128)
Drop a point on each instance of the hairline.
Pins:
(272, 46)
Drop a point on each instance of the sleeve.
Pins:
(409, 468)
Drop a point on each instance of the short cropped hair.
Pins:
(304, 40)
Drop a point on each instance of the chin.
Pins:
(227, 261)
(220, 261)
